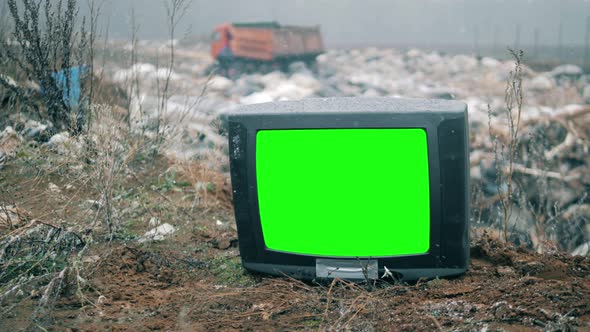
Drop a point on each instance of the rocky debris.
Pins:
(246, 85)
(505, 271)
(10, 142)
(221, 224)
(299, 67)
(220, 83)
(37, 131)
(257, 98)
(490, 62)
(567, 71)
(54, 188)
(144, 71)
(578, 216)
(59, 139)
(582, 250)
(454, 309)
(154, 222)
(542, 83)
(555, 136)
(8, 80)
(278, 86)
(158, 233)
(63, 144)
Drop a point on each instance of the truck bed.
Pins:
(267, 43)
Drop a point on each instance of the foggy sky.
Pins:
(376, 22)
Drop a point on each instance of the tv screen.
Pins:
(344, 187)
(316, 187)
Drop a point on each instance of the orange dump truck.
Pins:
(263, 46)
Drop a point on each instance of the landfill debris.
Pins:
(554, 135)
(10, 142)
(158, 233)
(54, 188)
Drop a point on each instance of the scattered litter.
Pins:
(158, 233)
(582, 250)
(10, 142)
(54, 188)
(59, 139)
(154, 222)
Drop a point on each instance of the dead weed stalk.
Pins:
(505, 149)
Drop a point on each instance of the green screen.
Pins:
(344, 192)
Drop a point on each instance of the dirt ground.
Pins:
(193, 280)
(505, 289)
(190, 287)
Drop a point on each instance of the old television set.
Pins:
(351, 187)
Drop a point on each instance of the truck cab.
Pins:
(220, 41)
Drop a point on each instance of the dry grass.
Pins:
(58, 200)
(213, 189)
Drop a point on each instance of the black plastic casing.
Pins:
(446, 126)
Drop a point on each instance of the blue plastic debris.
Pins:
(71, 97)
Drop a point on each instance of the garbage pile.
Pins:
(550, 203)
(551, 166)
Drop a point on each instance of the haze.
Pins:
(378, 22)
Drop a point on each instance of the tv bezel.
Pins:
(353, 113)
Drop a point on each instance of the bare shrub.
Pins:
(133, 87)
(109, 154)
(537, 170)
(43, 258)
(34, 257)
(505, 149)
(47, 40)
(175, 11)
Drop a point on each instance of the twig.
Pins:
(438, 326)
(537, 172)
(328, 300)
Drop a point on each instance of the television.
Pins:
(353, 188)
